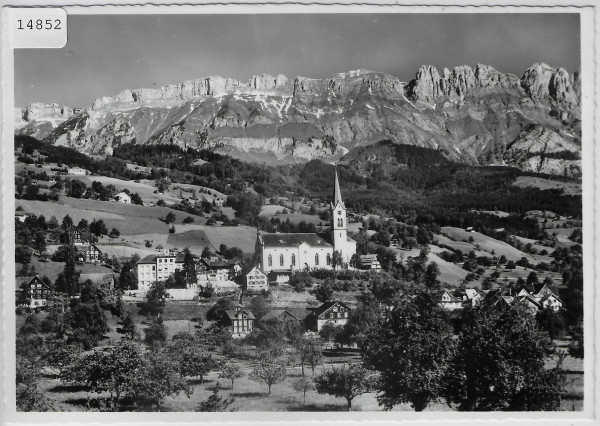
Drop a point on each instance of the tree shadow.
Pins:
(90, 403)
(248, 394)
(315, 407)
(68, 389)
(197, 381)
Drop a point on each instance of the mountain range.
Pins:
(474, 115)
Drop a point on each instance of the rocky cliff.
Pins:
(476, 115)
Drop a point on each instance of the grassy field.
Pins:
(486, 243)
(569, 188)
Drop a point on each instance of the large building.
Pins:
(154, 268)
(283, 253)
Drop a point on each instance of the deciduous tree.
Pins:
(269, 371)
(410, 346)
(345, 382)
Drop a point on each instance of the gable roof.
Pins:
(231, 313)
(276, 313)
(255, 270)
(293, 240)
(326, 306)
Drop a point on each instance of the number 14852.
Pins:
(39, 24)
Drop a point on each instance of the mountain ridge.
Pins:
(474, 115)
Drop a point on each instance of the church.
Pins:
(280, 254)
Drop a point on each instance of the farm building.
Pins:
(333, 312)
(21, 216)
(240, 321)
(447, 301)
(468, 296)
(282, 315)
(80, 238)
(256, 280)
(91, 254)
(369, 261)
(123, 197)
(34, 293)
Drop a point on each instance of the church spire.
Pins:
(337, 194)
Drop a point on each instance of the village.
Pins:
(170, 263)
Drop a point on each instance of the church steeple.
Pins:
(337, 194)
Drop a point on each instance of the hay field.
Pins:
(486, 243)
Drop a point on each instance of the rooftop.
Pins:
(293, 240)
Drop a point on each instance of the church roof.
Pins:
(293, 240)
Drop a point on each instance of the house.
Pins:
(21, 216)
(123, 197)
(240, 321)
(469, 229)
(77, 171)
(333, 312)
(447, 301)
(35, 292)
(468, 296)
(80, 238)
(369, 261)
(91, 254)
(231, 268)
(395, 242)
(282, 315)
(256, 280)
(284, 253)
(155, 267)
(543, 294)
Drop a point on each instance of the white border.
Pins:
(590, 95)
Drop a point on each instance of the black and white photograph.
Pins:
(380, 210)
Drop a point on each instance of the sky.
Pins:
(106, 54)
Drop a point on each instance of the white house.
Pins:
(283, 253)
(336, 313)
(256, 280)
(154, 268)
(123, 197)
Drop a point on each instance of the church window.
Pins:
(293, 260)
(281, 260)
(317, 259)
(270, 260)
(328, 259)
(340, 222)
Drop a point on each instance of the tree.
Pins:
(158, 378)
(114, 233)
(188, 219)
(98, 228)
(410, 346)
(189, 267)
(499, 364)
(300, 280)
(231, 372)
(323, 292)
(156, 299)
(112, 369)
(551, 322)
(259, 306)
(345, 382)
(68, 280)
(303, 384)
(215, 403)
(128, 326)
(269, 371)
(29, 397)
(328, 331)
(191, 361)
(337, 259)
(86, 317)
(170, 218)
(217, 311)
(431, 274)
(156, 334)
(310, 354)
(128, 275)
(206, 253)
